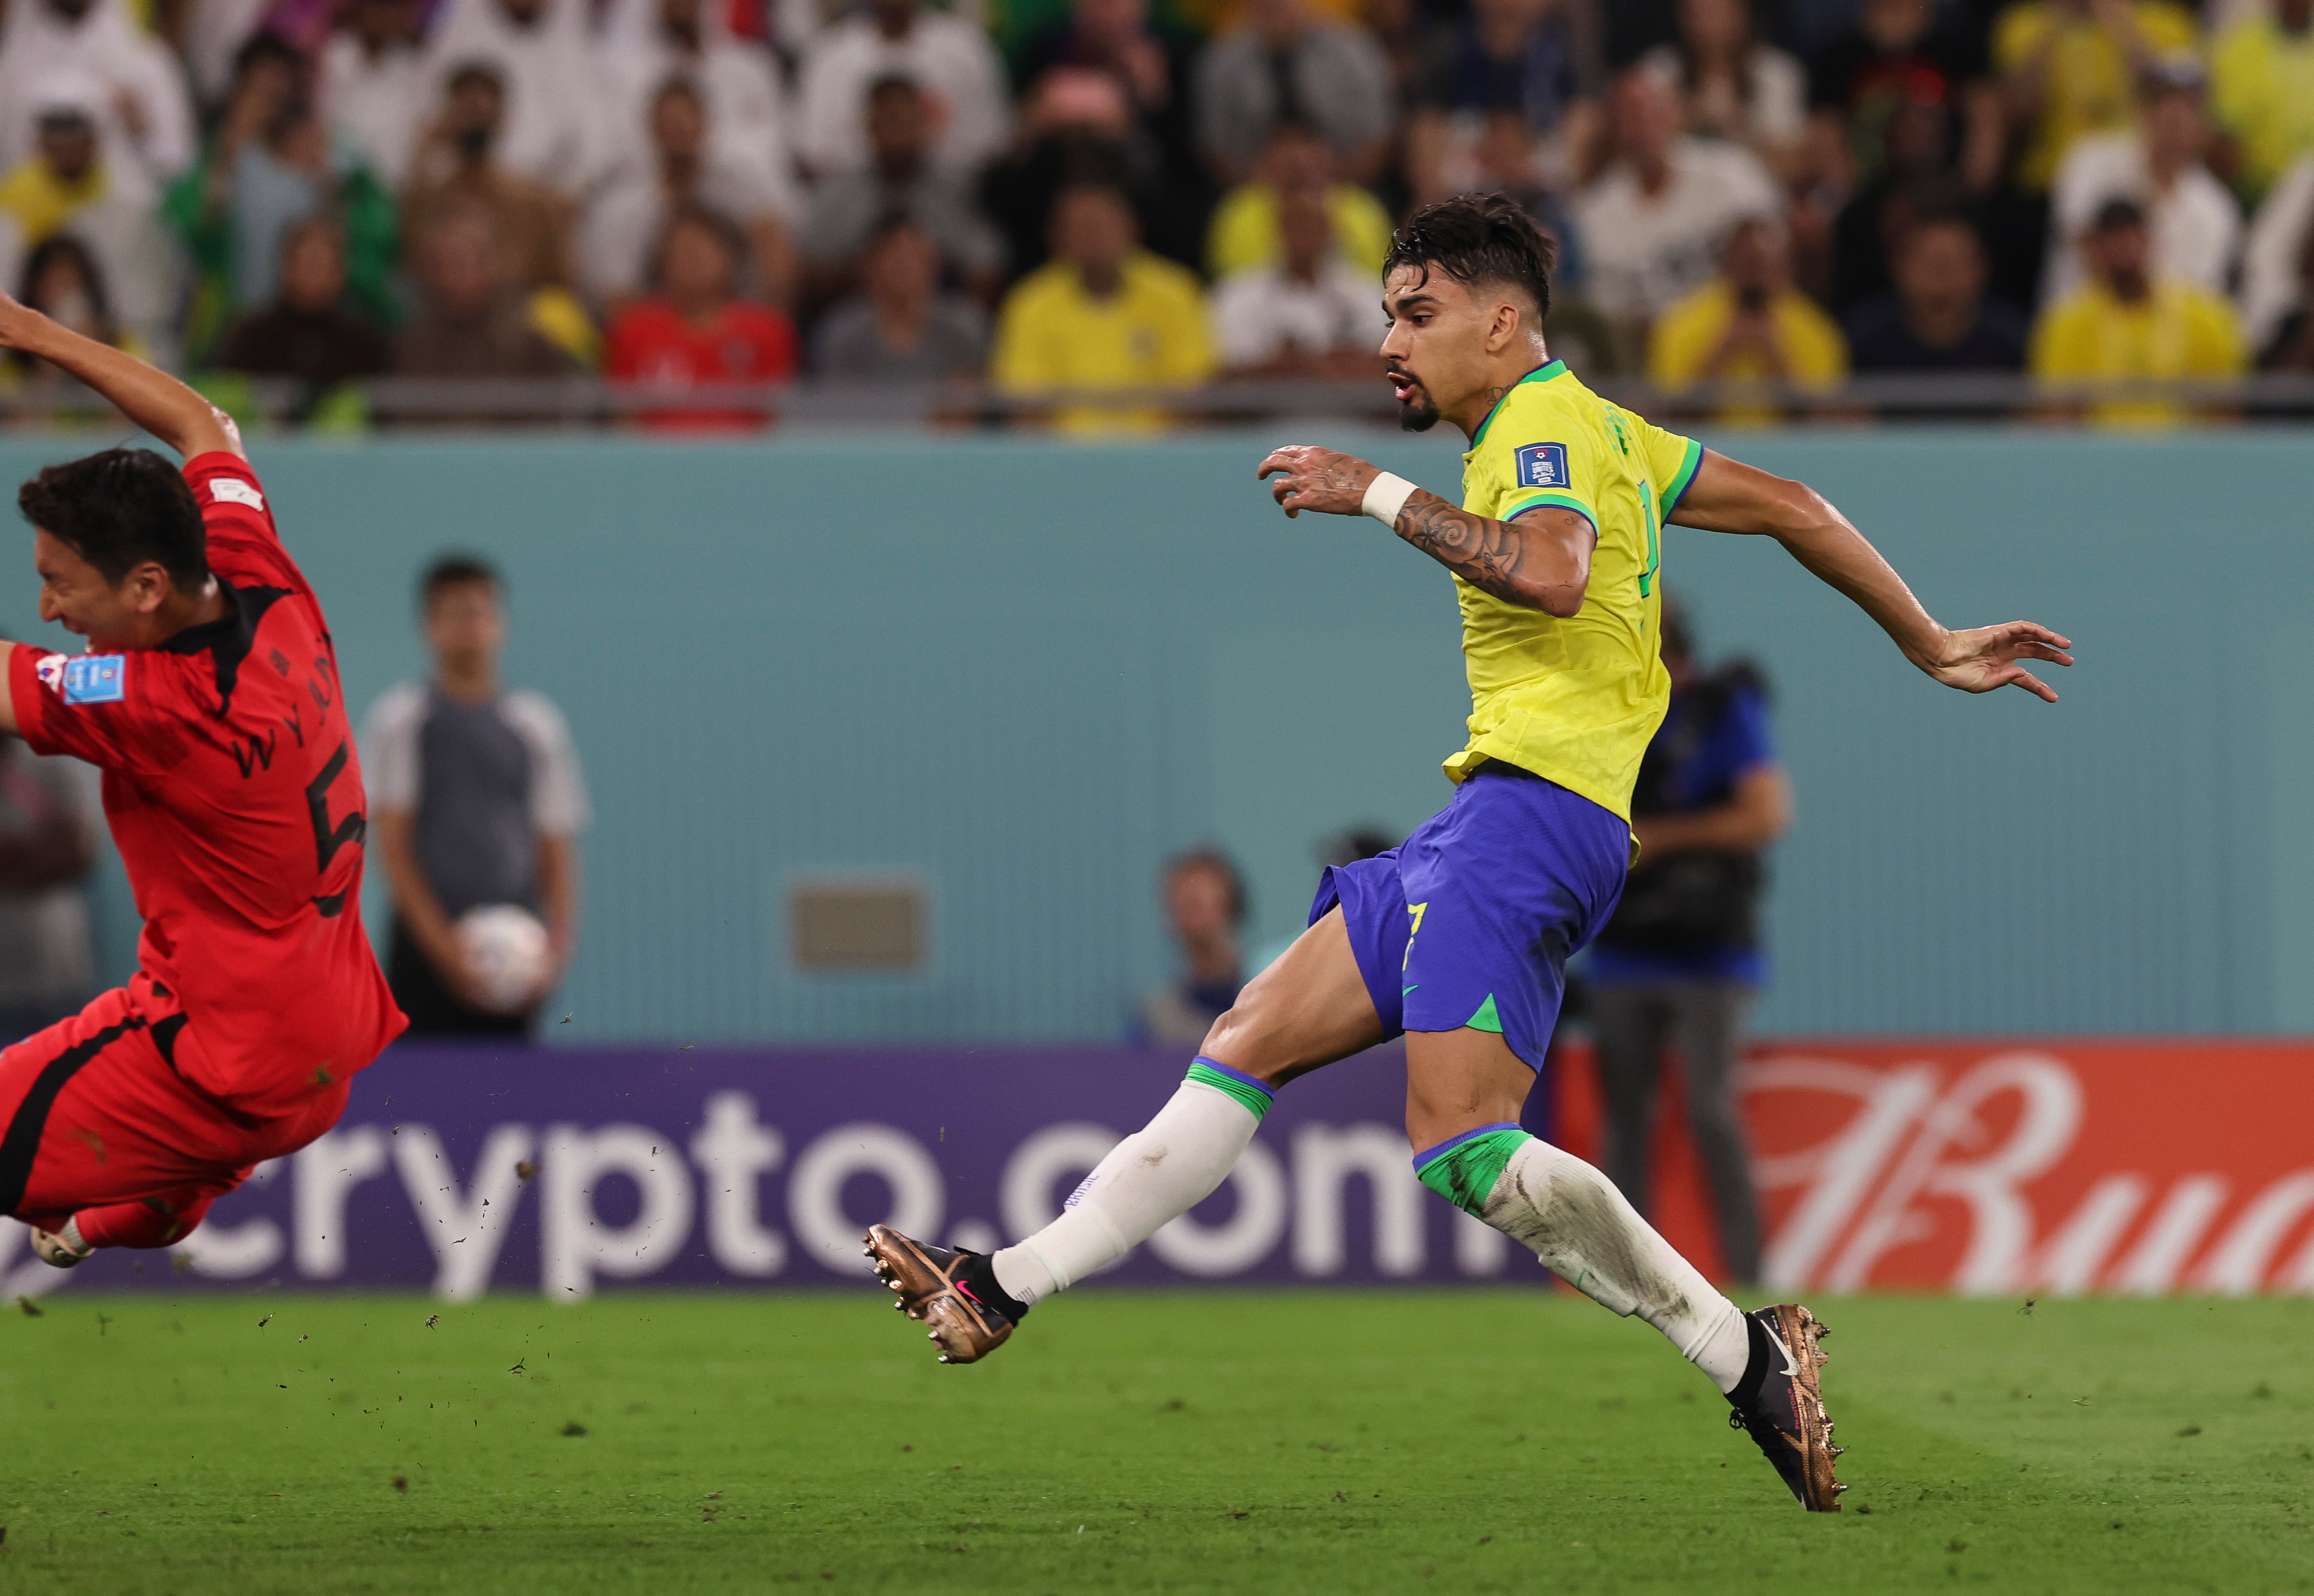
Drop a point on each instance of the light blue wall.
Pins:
(1025, 671)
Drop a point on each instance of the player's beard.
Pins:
(1418, 413)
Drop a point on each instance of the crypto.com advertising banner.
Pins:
(1970, 1166)
(457, 1170)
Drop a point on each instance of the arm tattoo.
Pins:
(1485, 553)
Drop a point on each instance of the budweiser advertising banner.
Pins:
(1991, 1166)
(2034, 1167)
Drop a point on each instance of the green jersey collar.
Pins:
(1540, 374)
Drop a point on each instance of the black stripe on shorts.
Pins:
(21, 1144)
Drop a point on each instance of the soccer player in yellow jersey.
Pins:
(1458, 937)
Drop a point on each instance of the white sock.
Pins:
(1590, 1235)
(1159, 1173)
(70, 1235)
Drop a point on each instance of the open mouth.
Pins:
(1403, 387)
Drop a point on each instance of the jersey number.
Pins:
(1655, 548)
(327, 839)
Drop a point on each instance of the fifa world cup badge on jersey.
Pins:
(234, 490)
(95, 679)
(1543, 465)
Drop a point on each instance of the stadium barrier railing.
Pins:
(593, 402)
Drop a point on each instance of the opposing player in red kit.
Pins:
(209, 696)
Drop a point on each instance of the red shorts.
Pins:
(98, 1118)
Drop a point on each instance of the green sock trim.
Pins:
(1464, 1170)
(1486, 1018)
(1256, 1100)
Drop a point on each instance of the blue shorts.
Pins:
(1470, 920)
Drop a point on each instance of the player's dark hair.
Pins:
(119, 509)
(1220, 864)
(1478, 238)
(2117, 214)
(895, 83)
(456, 570)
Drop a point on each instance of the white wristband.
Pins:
(1387, 495)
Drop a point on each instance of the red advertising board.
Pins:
(2024, 1167)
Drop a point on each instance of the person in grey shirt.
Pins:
(1283, 64)
(49, 819)
(900, 180)
(901, 328)
(475, 800)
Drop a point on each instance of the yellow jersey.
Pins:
(1574, 700)
(1054, 333)
(2262, 92)
(1814, 350)
(2089, 84)
(1243, 232)
(2177, 330)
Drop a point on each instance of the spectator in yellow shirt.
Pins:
(2070, 68)
(2261, 89)
(1244, 233)
(2127, 323)
(1103, 313)
(63, 176)
(1748, 324)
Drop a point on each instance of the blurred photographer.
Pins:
(48, 820)
(1680, 962)
(1204, 914)
(475, 805)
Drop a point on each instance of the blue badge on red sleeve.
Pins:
(1543, 465)
(95, 679)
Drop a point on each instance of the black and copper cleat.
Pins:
(930, 1281)
(1784, 1412)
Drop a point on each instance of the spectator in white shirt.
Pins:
(1733, 86)
(848, 208)
(556, 132)
(747, 108)
(2196, 225)
(687, 172)
(2274, 255)
(1313, 315)
(375, 87)
(147, 115)
(948, 57)
(1284, 63)
(1653, 221)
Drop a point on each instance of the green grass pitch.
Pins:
(1278, 1442)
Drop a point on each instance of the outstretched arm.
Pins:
(1730, 497)
(147, 395)
(1541, 561)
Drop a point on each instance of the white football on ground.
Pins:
(505, 948)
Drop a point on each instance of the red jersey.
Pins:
(234, 794)
(651, 344)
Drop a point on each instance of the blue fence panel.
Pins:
(1023, 671)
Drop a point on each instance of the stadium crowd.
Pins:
(1086, 194)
